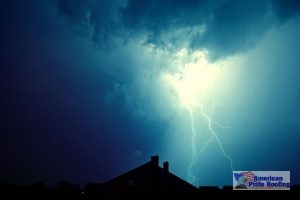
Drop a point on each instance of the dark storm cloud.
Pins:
(221, 27)
(230, 26)
(286, 9)
(233, 26)
(100, 18)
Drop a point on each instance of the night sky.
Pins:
(92, 88)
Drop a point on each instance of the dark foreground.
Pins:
(66, 190)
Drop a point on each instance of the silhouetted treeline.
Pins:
(65, 190)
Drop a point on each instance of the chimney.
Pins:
(166, 166)
(155, 160)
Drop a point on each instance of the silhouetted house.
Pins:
(149, 178)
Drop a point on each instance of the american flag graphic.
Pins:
(250, 177)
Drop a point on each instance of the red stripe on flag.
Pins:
(250, 177)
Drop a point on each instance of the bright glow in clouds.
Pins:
(194, 80)
(195, 84)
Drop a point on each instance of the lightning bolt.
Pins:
(191, 177)
(196, 153)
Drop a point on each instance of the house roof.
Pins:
(150, 176)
